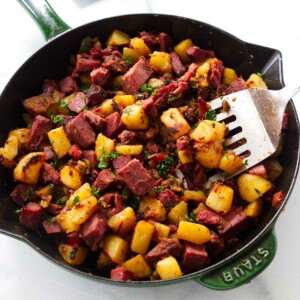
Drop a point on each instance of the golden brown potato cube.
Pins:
(83, 192)
(152, 208)
(253, 209)
(178, 213)
(74, 255)
(124, 100)
(138, 266)
(228, 76)
(198, 196)
(175, 122)
(104, 261)
(118, 38)
(64, 219)
(230, 163)
(122, 222)
(160, 231)
(256, 80)
(106, 107)
(103, 145)
(205, 132)
(161, 61)
(186, 155)
(192, 232)
(181, 48)
(28, 168)
(82, 210)
(201, 206)
(274, 168)
(140, 46)
(10, 149)
(71, 177)
(115, 248)
(22, 135)
(168, 268)
(142, 236)
(220, 198)
(59, 141)
(129, 52)
(209, 155)
(135, 118)
(129, 149)
(45, 194)
(251, 187)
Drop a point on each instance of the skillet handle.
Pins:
(244, 268)
(46, 18)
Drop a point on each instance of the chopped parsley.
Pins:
(75, 200)
(85, 105)
(29, 193)
(55, 161)
(129, 60)
(63, 103)
(57, 119)
(18, 211)
(260, 75)
(191, 217)
(113, 155)
(159, 189)
(246, 162)
(147, 154)
(210, 115)
(84, 88)
(163, 168)
(95, 192)
(102, 162)
(148, 88)
(133, 201)
(172, 178)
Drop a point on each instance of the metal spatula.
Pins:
(254, 119)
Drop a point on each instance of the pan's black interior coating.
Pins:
(51, 61)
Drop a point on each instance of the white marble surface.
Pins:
(24, 274)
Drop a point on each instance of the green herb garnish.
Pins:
(172, 178)
(63, 103)
(129, 60)
(75, 200)
(245, 162)
(85, 105)
(164, 167)
(133, 201)
(191, 217)
(57, 119)
(210, 115)
(84, 88)
(102, 162)
(147, 154)
(159, 189)
(29, 193)
(147, 88)
(55, 161)
(18, 211)
(113, 155)
(95, 192)
(259, 74)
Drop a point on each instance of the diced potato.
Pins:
(122, 222)
(230, 163)
(255, 80)
(142, 236)
(71, 177)
(192, 232)
(104, 261)
(135, 118)
(59, 141)
(198, 196)
(205, 132)
(104, 145)
(221, 130)
(129, 149)
(175, 122)
(220, 198)
(160, 231)
(152, 208)
(118, 38)
(22, 135)
(138, 266)
(10, 149)
(161, 61)
(28, 168)
(64, 219)
(115, 248)
(181, 48)
(201, 206)
(274, 168)
(168, 268)
(73, 255)
(178, 213)
(81, 211)
(228, 76)
(209, 155)
(202, 73)
(129, 52)
(45, 194)
(140, 46)
(106, 107)
(83, 192)
(253, 209)
(124, 100)
(251, 187)
(186, 155)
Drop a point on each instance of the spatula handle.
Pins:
(287, 93)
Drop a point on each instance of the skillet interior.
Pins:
(51, 60)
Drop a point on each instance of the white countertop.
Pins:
(24, 274)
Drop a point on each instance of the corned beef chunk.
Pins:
(127, 137)
(104, 179)
(96, 93)
(216, 245)
(49, 86)
(113, 200)
(54, 209)
(237, 85)
(38, 105)
(113, 125)
(94, 229)
(22, 192)
(209, 218)
(115, 63)
(137, 178)
(163, 249)
(199, 177)
(259, 170)
(95, 120)
(68, 85)
(121, 161)
(100, 76)
(149, 38)
(199, 55)
(91, 156)
(86, 63)
(49, 153)
(194, 256)
(136, 76)
(149, 107)
(52, 227)
(177, 66)
(216, 73)
(120, 273)
(32, 216)
(165, 41)
(49, 174)
(78, 103)
(80, 131)
(168, 197)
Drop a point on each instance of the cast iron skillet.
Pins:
(257, 249)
